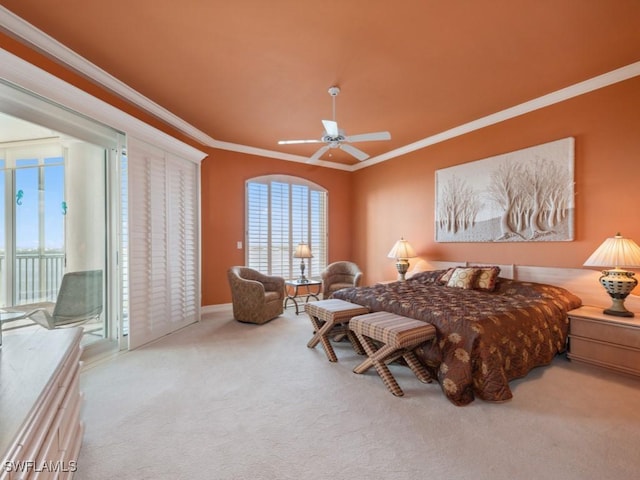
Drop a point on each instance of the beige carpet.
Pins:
(225, 400)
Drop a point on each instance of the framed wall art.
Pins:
(522, 196)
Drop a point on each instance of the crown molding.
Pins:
(17, 27)
(29, 77)
(595, 83)
(234, 147)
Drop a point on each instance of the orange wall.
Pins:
(396, 198)
(223, 212)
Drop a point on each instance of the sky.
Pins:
(27, 203)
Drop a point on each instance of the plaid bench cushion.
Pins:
(393, 330)
(333, 310)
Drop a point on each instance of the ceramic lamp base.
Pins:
(618, 284)
(402, 266)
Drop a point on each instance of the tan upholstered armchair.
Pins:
(339, 275)
(257, 298)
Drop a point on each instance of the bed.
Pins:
(487, 334)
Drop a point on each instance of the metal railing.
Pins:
(37, 277)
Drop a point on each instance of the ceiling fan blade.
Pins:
(319, 153)
(331, 128)
(351, 150)
(295, 142)
(368, 137)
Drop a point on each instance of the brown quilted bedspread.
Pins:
(484, 339)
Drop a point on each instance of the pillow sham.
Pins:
(463, 278)
(486, 278)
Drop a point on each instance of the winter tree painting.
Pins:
(522, 196)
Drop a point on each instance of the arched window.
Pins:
(283, 211)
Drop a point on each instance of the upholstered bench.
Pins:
(330, 318)
(399, 337)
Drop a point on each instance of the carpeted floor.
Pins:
(224, 400)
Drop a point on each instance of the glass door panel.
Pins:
(39, 227)
(54, 212)
(53, 216)
(26, 283)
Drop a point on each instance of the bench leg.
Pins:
(341, 331)
(355, 343)
(417, 367)
(386, 354)
(322, 336)
(377, 359)
(317, 325)
(369, 349)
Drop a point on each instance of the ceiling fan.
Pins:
(335, 138)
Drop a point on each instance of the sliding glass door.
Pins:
(32, 95)
(54, 219)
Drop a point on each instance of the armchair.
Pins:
(339, 275)
(256, 297)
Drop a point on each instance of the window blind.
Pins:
(282, 211)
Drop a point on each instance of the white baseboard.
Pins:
(215, 308)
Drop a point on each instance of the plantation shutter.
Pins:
(164, 259)
(283, 211)
(280, 248)
(257, 242)
(183, 247)
(318, 231)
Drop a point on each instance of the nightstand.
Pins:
(604, 340)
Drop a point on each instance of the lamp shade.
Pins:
(615, 252)
(402, 249)
(302, 251)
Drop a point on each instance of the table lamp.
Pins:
(617, 252)
(402, 251)
(302, 251)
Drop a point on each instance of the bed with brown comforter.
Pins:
(484, 338)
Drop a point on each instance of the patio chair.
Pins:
(79, 301)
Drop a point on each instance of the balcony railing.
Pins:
(37, 277)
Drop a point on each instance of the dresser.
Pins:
(40, 402)
(605, 340)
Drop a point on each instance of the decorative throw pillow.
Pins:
(463, 278)
(444, 278)
(486, 278)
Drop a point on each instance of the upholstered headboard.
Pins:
(581, 282)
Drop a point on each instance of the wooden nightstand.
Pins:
(604, 340)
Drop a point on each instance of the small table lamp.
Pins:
(402, 251)
(302, 251)
(618, 252)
